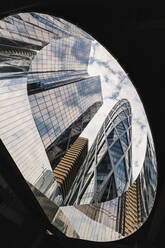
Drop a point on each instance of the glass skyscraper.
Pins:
(56, 111)
(115, 215)
(67, 169)
(47, 99)
(46, 93)
(135, 205)
(106, 172)
(58, 148)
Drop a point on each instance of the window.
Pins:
(103, 169)
(116, 152)
(120, 128)
(124, 139)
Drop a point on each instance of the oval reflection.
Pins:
(76, 128)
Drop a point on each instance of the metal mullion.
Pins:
(95, 168)
(83, 189)
(115, 167)
(105, 182)
(114, 127)
(81, 183)
(129, 134)
(123, 156)
(124, 152)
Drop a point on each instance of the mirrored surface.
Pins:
(76, 128)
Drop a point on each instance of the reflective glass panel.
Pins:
(75, 127)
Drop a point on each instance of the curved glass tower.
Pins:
(75, 127)
(121, 216)
(107, 170)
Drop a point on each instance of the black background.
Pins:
(135, 36)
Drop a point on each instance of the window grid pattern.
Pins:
(59, 147)
(25, 42)
(109, 151)
(20, 136)
(120, 217)
(56, 109)
(28, 34)
(67, 53)
(39, 81)
(37, 32)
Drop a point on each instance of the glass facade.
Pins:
(117, 218)
(54, 110)
(137, 202)
(58, 148)
(106, 173)
(47, 99)
(66, 170)
(45, 88)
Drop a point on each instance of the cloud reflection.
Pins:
(116, 85)
(58, 96)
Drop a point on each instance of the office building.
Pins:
(59, 147)
(119, 214)
(135, 205)
(106, 172)
(23, 35)
(61, 113)
(150, 232)
(120, 217)
(45, 90)
(66, 171)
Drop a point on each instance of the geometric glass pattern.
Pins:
(47, 99)
(111, 156)
(121, 216)
(57, 149)
(47, 93)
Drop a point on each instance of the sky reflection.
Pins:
(116, 85)
(47, 100)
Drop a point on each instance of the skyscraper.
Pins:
(119, 217)
(106, 172)
(23, 35)
(47, 99)
(61, 113)
(136, 203)
(46, 91)
(59, 147)
(66, 170)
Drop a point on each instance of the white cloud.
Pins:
(115, 86)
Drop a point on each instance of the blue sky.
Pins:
(116, 85)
